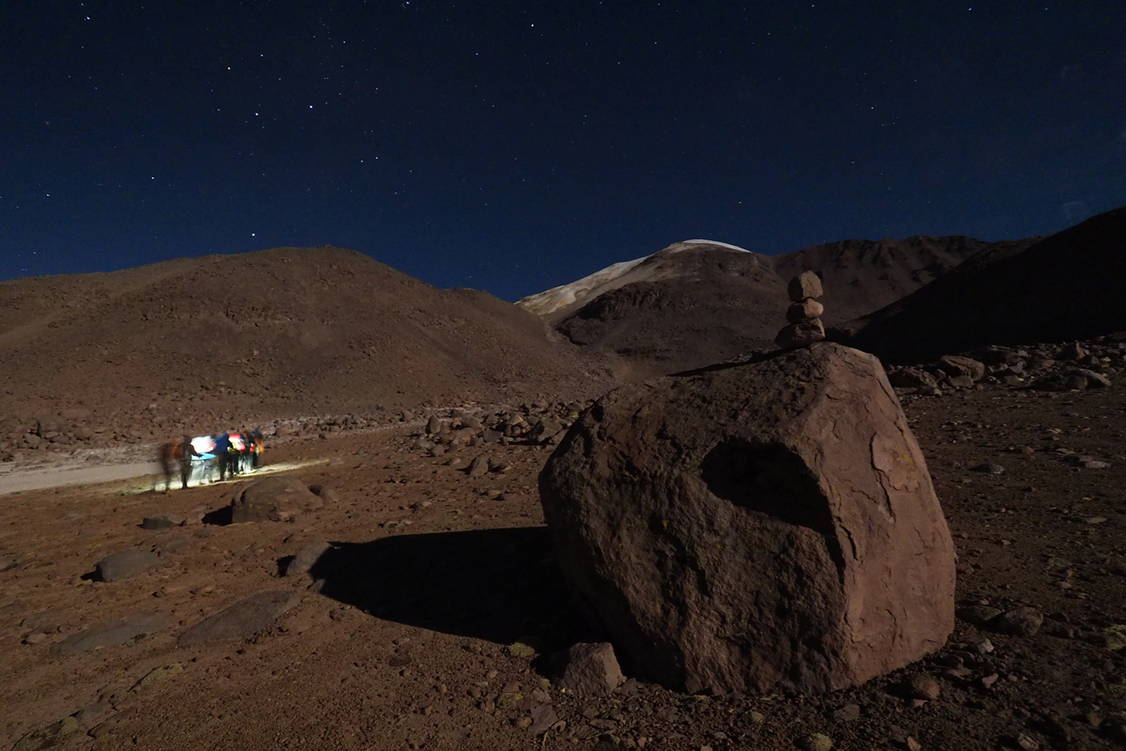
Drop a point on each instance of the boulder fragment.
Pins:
(590, 669)
(272, 499)
(124, 564)
(766, 525)
(242, 619)
(306, 558)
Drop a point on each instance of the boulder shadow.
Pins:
(501, 585)
(220, 517)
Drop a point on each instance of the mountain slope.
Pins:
(1066, 286)
(283, 331)
(698, 302)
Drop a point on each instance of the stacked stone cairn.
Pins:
(804, 313)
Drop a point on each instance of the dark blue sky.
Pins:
(513, 146)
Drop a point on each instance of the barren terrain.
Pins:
(428, 622)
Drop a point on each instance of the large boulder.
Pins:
(272, 499)
(764, 525)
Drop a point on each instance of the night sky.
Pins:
(513, 146)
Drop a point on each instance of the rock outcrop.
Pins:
(765, 525)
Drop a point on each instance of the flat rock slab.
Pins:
(125, 564)
(112, 634)
(241, 620)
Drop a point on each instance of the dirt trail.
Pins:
(53, 477)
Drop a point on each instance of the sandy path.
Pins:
(51, 477)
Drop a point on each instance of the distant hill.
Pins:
(1065, 286)
(699, 301)
(277, 332)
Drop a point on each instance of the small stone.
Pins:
(589, 669)
(1024, 621)
(801, 334)
(1027, 742)
(479, 466)
(524, 722)
(35, 638)
(1114, 637)
(847, 713)
(912, 745)
(806, 310)
(521, 650)
(987, 681)
(988, 469)
(924, 686)
(756, 717)
(816, 742)
(979, 615)
(543, 717)
(804, 285)
(162, 521)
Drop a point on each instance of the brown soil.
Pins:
(406, 645)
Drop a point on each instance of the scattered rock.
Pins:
(589, 669)
(271, 499)
(306, 558)
(543, 717)
(924, 686)
(847, 713)
(125, 564)
(161, 521)
(1114, 637)
(112, 634)
(1024, 621)
(47, 737)
(979, 615)
(326, 494)
(669, 497)
(815, 742)
(521, 650)
(479, 466)
(957, 365)
(242, 619)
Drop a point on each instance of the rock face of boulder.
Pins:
(765, 525)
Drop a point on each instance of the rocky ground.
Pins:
(429, 620)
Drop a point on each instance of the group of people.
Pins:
(231, 453)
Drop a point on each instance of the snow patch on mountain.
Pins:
(567, 296)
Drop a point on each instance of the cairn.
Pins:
(804, 313)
